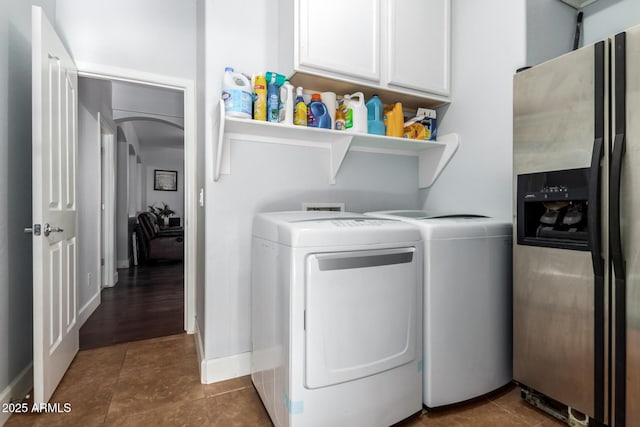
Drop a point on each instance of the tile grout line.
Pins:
(104, 421)
(515, 414)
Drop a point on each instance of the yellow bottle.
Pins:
(394, 120)
(300, 109)
(260, 102)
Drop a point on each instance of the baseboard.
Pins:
(200, 350)
(16, 391)
(115, 278)
(88, 309)
(223, 368)
(123, 263)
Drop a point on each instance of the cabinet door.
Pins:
(341, 37)
(419, 44)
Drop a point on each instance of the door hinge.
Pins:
(101, 261)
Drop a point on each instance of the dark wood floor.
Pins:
(147, 302)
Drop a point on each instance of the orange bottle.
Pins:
(394, 120)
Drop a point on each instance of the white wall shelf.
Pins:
(433, 155)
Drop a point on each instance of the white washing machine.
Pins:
(467, 304)
(336, 318)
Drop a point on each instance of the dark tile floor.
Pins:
(156, 382)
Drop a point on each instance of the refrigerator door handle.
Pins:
(595, 232)
(615, 230)
(617, 257)
(594, 208)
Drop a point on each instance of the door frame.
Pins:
(108, 271)
(187, 86)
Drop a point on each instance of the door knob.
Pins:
(48, 229)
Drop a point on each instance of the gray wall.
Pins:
(94, 96)
(166, 159)
(16, 314)
(550, 30)
(122, 203)
(605, 18)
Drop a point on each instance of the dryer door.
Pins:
(361, 313)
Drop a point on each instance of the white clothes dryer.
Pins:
(467, 304)
(336, 319)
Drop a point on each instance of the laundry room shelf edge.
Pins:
(433, 156)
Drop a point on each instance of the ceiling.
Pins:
(157, 134)
(152, 108)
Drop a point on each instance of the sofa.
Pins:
(157, 244)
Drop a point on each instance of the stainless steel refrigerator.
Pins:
(576, 153)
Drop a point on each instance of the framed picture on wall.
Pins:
(165, 180)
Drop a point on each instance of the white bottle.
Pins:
(356, 103)
(236, 93)
(286, 101)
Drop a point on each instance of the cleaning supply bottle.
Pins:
(340, 118)
(394, 120)
(236, 94)
(318, 115)
(260, 98)
(286, 101)
(375, 125)
(300, 109)
(273, 101)
(355, 103)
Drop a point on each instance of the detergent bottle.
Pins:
(375, 125)
(236, 94)
(318, 114)
(394, 120)
(355, 103)
(300, 109)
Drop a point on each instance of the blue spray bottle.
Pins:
(273, 100)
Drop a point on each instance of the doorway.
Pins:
(113, 134)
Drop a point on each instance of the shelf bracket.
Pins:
(219, 123)
(337, 152)
(431, 163)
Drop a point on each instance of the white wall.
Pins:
(94, 96)
(165, 159)
(146, 35)
(16, 296)
(605, 18)
(201, 220)
(135, 98)
(488, 46)
(268, 177)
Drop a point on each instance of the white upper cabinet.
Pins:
(341, 37)
(419, 44)
(398, 49)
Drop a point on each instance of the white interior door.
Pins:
(55, 326)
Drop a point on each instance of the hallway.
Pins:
(147, 302)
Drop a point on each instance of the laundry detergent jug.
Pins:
(236, 94)
(355, 103)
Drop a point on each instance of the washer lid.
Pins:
(450, 226)
(305, 229)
